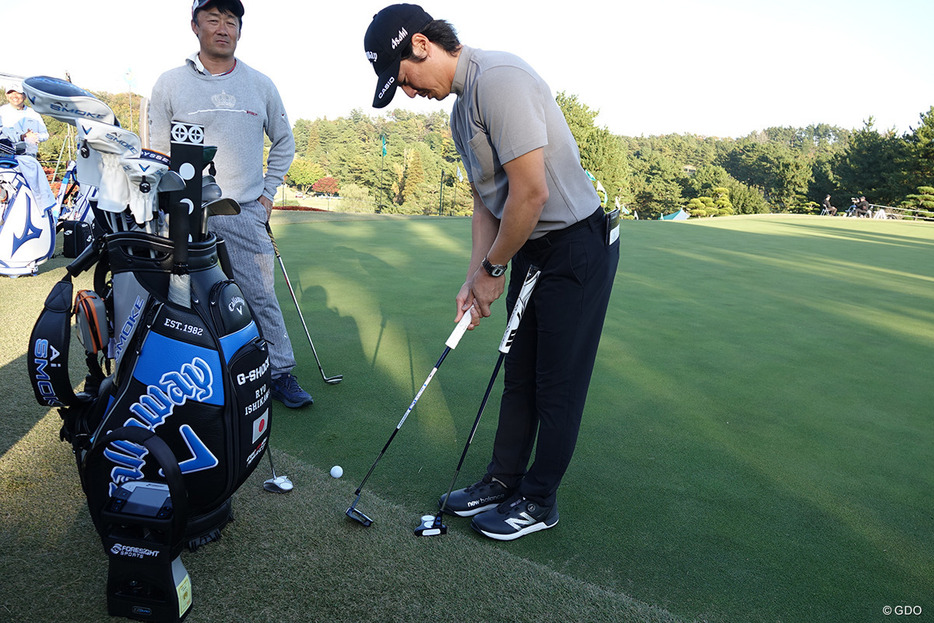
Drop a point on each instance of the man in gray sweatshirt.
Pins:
(237, 106)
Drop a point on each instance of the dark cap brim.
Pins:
(386, 84)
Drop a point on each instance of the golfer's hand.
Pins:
(465, 305)
(485, 289)
(267, 203)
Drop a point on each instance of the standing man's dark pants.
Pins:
(549, 366)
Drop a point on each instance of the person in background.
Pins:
(238, 107)
(21, 123)
(827, 208)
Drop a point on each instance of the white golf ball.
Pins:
(337, 471)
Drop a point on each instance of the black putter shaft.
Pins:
(330, 380)
(512, 326)
(450, 345)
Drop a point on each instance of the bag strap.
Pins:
(170, 471)
(47, 360)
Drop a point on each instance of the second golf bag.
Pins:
(183, 356)
(27, 227)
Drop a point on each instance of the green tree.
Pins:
(303, 173)
(869, 166)
(601, 153)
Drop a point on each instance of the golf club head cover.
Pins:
(114, 144)
(64, 101)
(87, 161)
(144, 173)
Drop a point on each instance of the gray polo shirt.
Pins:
(505, 110)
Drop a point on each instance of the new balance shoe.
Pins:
(286, 390)
(476, 498)
(514, 518)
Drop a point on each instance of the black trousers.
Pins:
(548, 368)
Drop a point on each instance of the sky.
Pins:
(720, 68)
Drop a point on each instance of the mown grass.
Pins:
(756, 447)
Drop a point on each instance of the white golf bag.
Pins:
(27, 225)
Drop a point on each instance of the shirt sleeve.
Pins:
(160, 117)
(513, 111)
(282, 150)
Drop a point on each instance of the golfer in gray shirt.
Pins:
(533, 205)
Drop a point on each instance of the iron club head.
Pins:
(334, 380)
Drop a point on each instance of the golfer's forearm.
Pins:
(484, 227)
(528, 192)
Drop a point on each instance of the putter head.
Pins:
(279, 484)
(431, 526)
(357, 516)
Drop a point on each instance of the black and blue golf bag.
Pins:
(171, 345)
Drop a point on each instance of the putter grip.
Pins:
(459, 331)
(525, 293)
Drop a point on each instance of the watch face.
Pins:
(495, 270)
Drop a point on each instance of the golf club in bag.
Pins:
(188, 362)
(433, 526)
(449, 345)
(330, 380)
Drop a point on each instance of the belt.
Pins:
(553, 236)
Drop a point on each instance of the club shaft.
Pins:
(431, 375)
(301, 316)
(512, 326)
(473, 429)
(271, 466)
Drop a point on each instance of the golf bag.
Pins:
(76, 218)
(27, 227)
(177, 351)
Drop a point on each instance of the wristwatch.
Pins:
(495, 270)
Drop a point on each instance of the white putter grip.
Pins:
(530, 280)
(459, 330)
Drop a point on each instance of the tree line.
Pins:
(406, 163)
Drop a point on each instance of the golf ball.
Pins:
(337, 471)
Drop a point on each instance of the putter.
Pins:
(276, 484)
(330, 380)
(449, 345)
(433, 526)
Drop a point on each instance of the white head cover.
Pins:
(64, 101)
(113, 144)
(144, 172)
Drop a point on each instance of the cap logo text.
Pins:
(403, 33)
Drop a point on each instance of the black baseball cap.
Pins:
(235, 6)
(385, 39)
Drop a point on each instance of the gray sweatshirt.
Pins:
(236, 110)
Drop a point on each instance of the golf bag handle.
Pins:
(164, 456)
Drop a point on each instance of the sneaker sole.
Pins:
(536, 527)
(470, 512)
